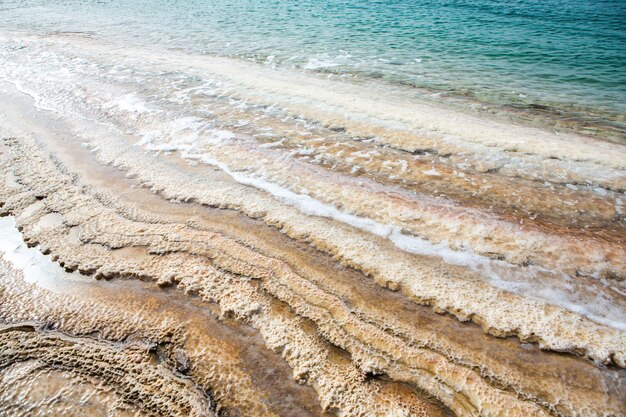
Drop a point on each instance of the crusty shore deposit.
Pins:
(194, 236)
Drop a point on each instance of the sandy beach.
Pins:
(192, 235)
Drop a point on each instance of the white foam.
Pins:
(130, 103)
(314, 64)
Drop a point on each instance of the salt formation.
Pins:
(242, 242)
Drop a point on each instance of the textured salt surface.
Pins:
(323, 223)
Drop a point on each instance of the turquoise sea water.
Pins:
(566, 58)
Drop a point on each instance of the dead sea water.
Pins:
(313, 208)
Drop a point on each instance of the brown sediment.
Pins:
(191, 291)
(28, 388)
(124, 368)
(158, 342)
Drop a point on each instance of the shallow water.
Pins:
(558, 60)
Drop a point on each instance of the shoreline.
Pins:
(609, 127)
(386, 257)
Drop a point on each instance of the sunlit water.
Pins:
(564, 58)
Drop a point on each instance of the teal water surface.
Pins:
(567, 57)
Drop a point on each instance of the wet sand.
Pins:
(294, 246)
